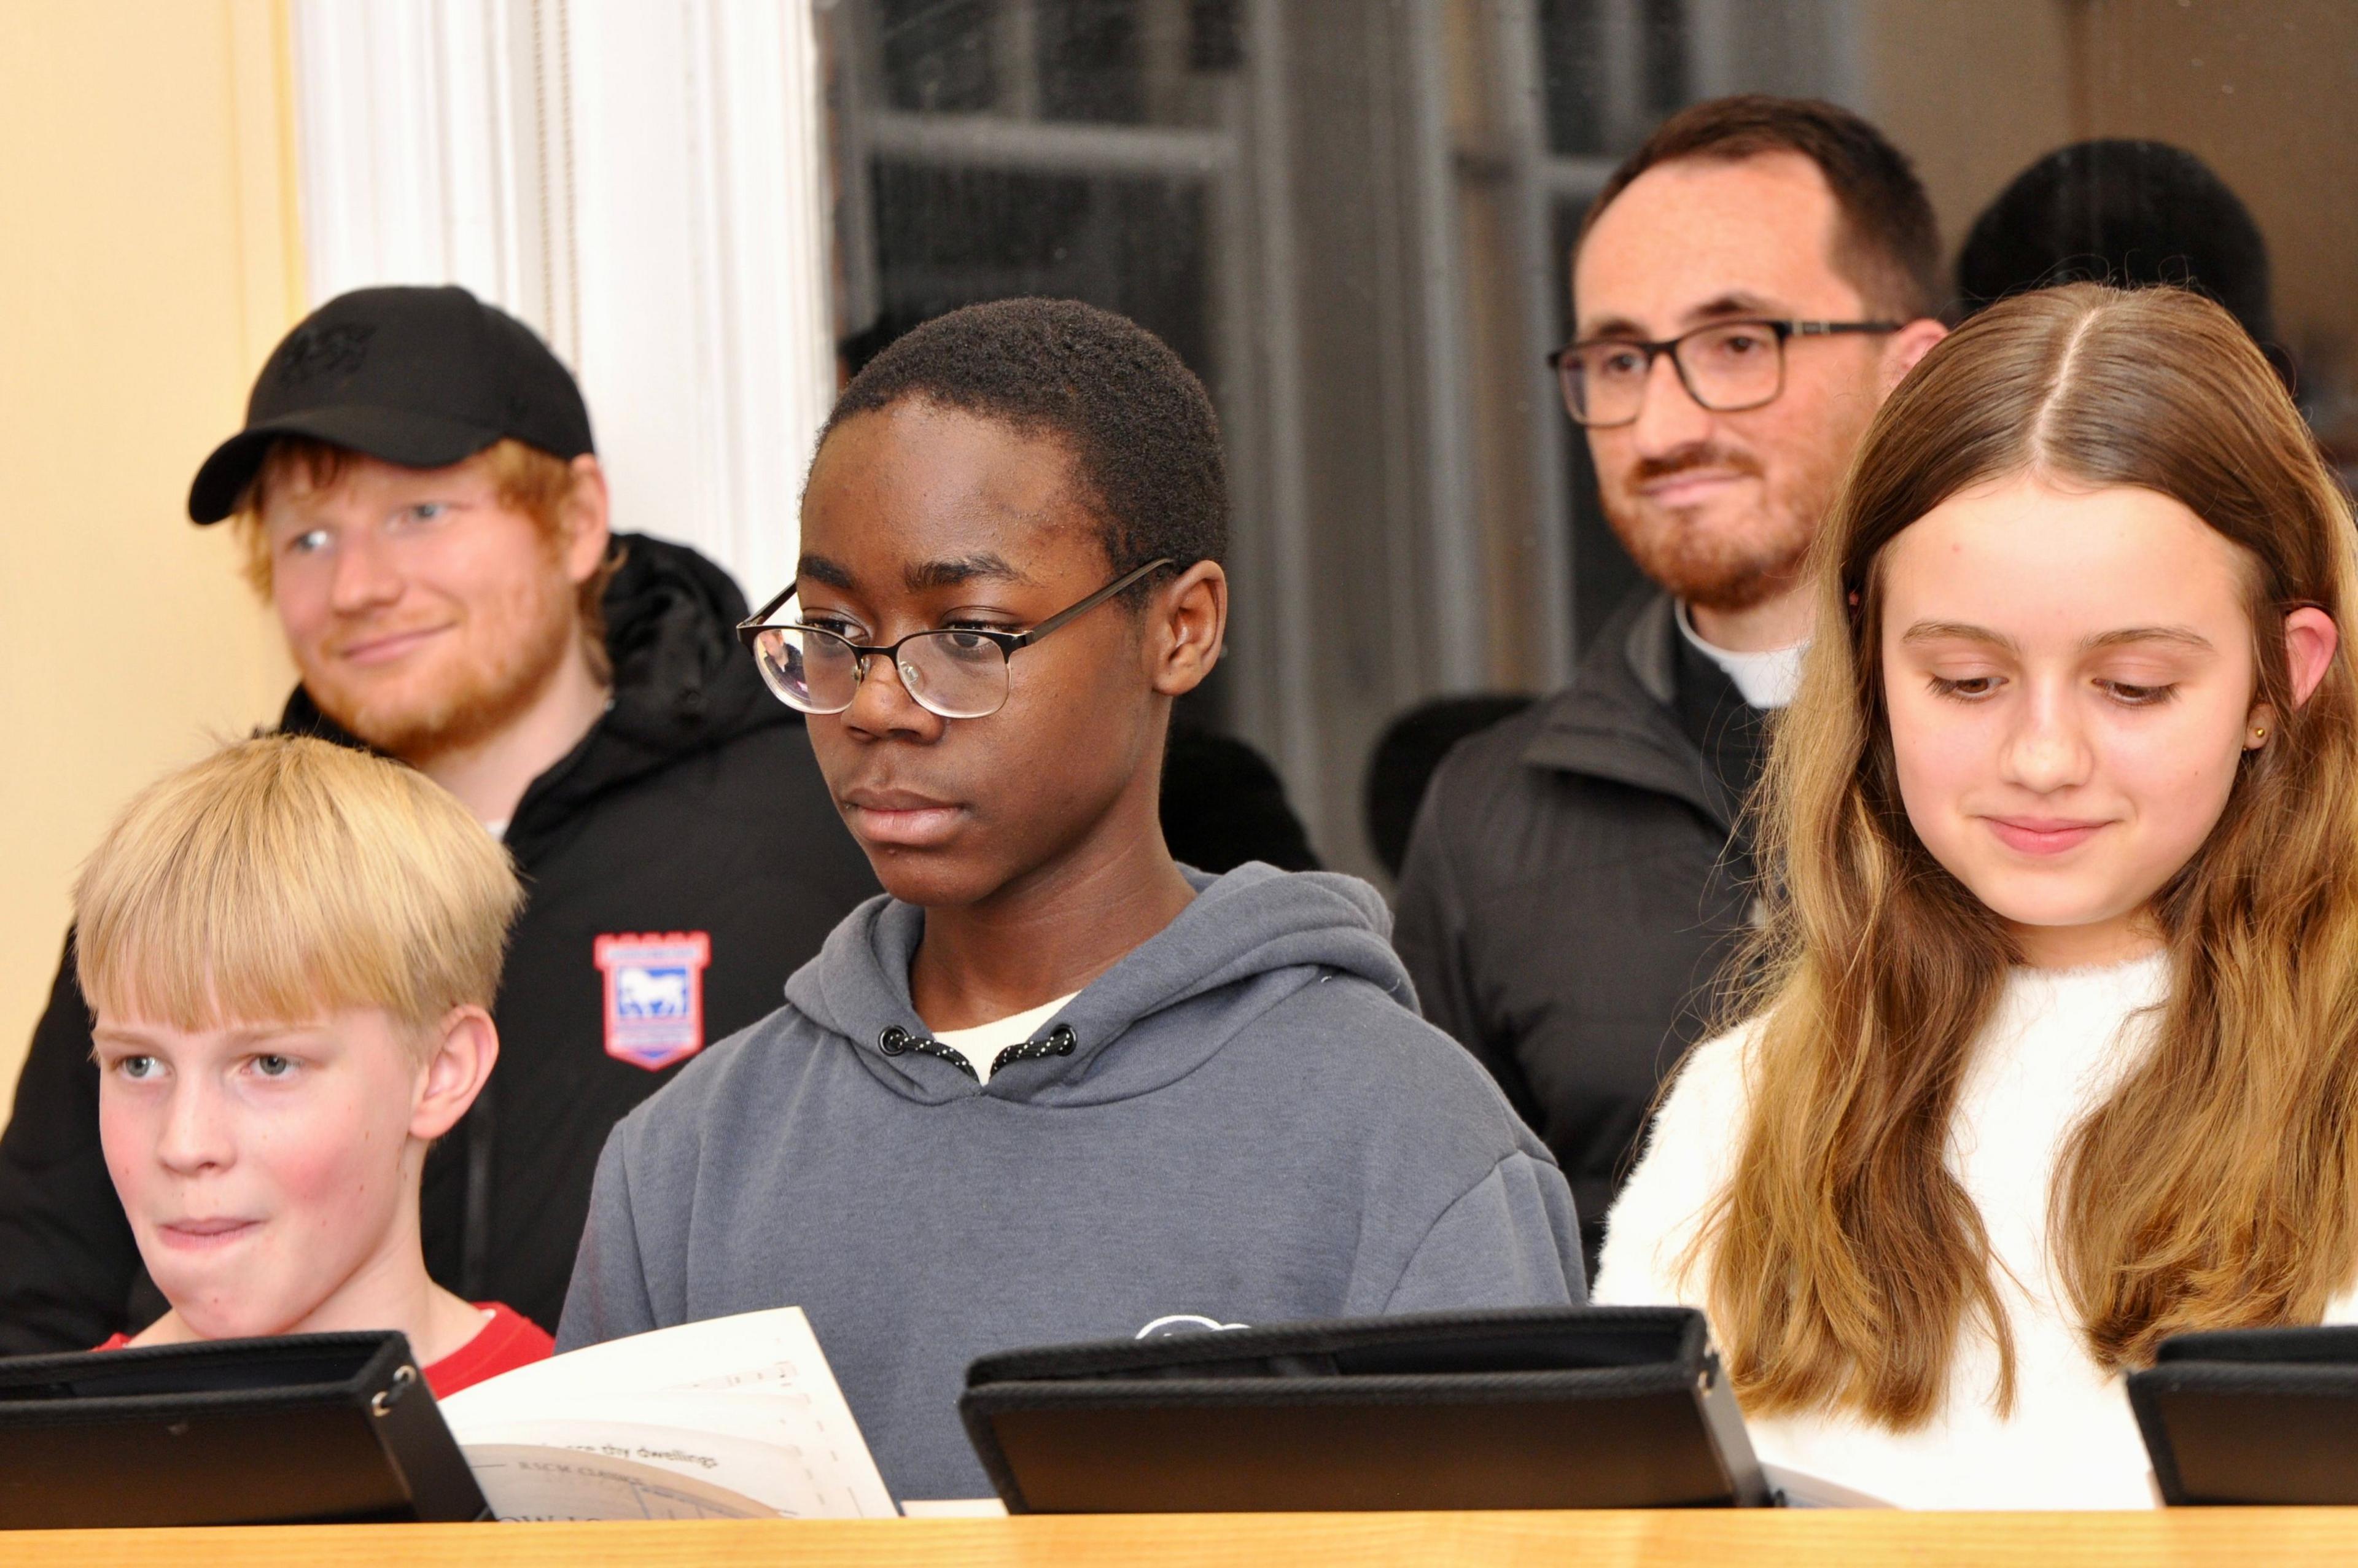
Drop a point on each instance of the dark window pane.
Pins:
(948, 237)
(1216, 35)
(1090, 66)
(1665, 58)
(1571, 51)
(937, 55)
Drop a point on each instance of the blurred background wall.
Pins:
(151, 262)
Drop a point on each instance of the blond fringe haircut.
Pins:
(525, 478)
(2218, 1187)
(285, 878)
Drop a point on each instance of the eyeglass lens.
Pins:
(1737, 366)
(956, 675)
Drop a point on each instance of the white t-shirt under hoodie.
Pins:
(981, 1044)
(2057, 1046)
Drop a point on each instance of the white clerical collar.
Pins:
(1763, 680)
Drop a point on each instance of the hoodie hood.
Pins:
(682, 685)
(1250, 939)
(681, 679)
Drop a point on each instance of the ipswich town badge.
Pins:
(655, 995)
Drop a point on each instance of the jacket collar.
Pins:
(1616, 721)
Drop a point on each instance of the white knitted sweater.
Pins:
(2055, 1048)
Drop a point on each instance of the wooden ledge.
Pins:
(1598, 1539)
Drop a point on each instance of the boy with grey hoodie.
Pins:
(1053, 1085)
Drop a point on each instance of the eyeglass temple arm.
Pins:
(1025, 640)
(763, 615)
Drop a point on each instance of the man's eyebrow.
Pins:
(1736, 304)
(924, 575)
(1612, 327)
(2181, 636)
(1958, 631)
(819, 569)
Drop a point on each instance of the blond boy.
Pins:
(290, 951)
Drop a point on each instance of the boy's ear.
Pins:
(1188, 626)
(466, 1047)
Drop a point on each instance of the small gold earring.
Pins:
(2259, 732)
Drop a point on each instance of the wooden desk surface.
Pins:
(1600, 1540)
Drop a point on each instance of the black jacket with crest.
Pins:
(694, 805)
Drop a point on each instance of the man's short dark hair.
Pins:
(2130, 213)
(1144, 442)
(1887, 242)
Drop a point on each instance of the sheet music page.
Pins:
(767, 1478)
(530, 1483)
(746, 1403)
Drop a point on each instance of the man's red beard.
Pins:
(476, 701)
(1716, 568)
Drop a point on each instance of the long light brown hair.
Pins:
(2218, 1187)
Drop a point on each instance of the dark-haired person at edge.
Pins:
(423, 509)
(1749, 287)
(2129, 214)
(1052, 1086)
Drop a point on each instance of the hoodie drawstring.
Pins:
(1058, 1041)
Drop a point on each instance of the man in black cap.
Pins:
(418, 490)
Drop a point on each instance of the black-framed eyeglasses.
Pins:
(1726, 367)
(961, 672)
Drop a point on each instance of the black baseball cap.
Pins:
(421, 377)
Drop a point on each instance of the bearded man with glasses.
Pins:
(1749, 287)
(1054, 1086)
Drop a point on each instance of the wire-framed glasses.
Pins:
(1726, 367)
(960, 673)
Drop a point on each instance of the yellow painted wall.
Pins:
(149, 262)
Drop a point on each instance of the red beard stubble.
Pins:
(1716, 565)
(531, 631)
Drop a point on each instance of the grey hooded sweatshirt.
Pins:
(1243, 1121)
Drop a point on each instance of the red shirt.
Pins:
(508, 1341)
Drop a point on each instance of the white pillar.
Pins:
(645, 185)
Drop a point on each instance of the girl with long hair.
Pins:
(2052, 1043)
